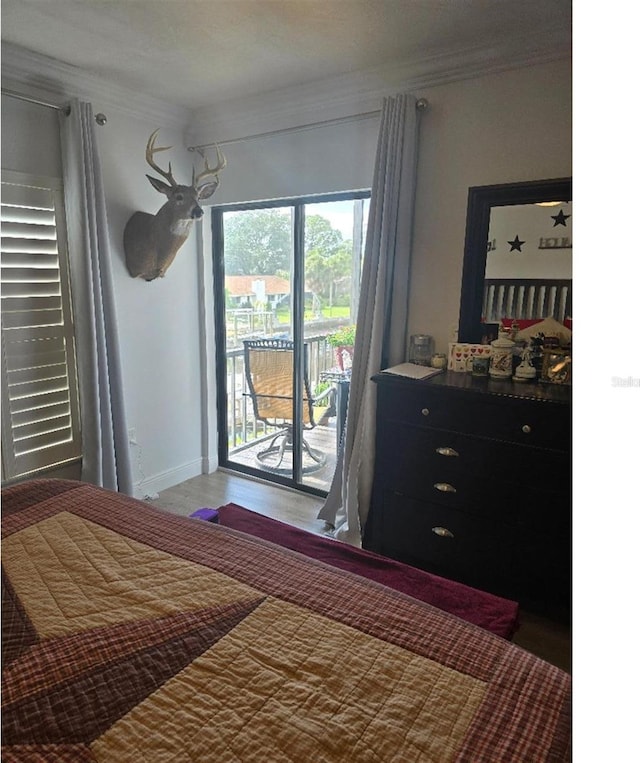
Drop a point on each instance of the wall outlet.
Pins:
(133, 439)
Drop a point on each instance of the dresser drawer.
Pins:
(413, 452)
(444, 541)
(421, 405)
(522, 421)
(489, 479)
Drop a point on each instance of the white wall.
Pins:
(158, 320)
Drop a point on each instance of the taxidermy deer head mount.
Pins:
(151, 242)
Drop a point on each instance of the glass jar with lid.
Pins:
(420, 349)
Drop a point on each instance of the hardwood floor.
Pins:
(543, 637)
(213, 490)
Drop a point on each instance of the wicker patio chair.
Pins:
(268, 367)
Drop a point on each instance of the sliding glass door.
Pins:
(286, 284)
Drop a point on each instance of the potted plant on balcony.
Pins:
(342, 341)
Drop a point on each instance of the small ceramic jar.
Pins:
(501, 363)
(439, 360)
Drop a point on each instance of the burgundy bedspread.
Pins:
(131, 634)
(495, 614)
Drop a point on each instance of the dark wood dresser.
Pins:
(473, 482)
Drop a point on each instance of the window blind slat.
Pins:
(24, 319)
(36, 373)
(38, 387)
(28, 350)
(29, 339)
(20, 304)
(34, 461)
(28, 229)
(44, 427)
(42, 288)
(23, 404)
(26, 215)
(50, 354)
(29, 245)
(30, 275)
(22, 259)
(36, 415)
(44, 440)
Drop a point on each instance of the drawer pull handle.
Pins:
(447, 452)
(444, 487)
(442, 532)
(526, 429)
(425, 411)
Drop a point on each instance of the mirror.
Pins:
(517, 256)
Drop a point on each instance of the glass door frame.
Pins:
(297, 205)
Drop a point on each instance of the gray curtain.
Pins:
(382, 313)
(106, 460)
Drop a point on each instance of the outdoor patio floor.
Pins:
(322, 437)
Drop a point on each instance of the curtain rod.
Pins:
(421, 105)
(100, 118)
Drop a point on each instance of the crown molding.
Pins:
(333, 98)
(48, 79)
(362, 92)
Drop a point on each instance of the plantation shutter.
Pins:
(40, 419)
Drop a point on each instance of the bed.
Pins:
(131, 634)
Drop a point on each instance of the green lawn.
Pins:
(284, 316)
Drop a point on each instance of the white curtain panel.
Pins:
(382, 314)
(106, 460)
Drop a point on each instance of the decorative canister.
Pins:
(439, 360)
(501, 364)
(420, 349)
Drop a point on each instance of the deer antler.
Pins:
(208, 171)
(153, 149)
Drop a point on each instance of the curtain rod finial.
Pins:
(101, 119)
(422, 104)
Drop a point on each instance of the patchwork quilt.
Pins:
(131, 634)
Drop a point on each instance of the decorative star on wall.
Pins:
(560, 219)
(516, 244)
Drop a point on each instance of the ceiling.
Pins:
(192, 53)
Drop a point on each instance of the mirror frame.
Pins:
(480, 201)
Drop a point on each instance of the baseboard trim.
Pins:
(151, 486)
